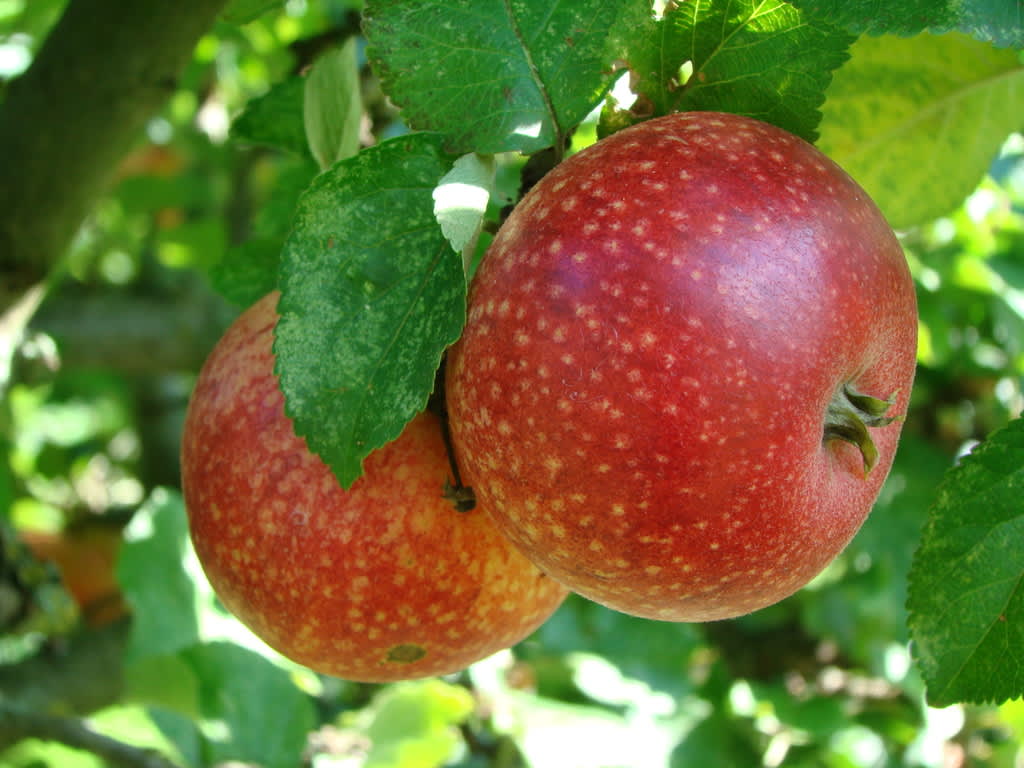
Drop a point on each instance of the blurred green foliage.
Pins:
(824, 679)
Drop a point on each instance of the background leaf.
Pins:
(655, 652)
(247, 271)
(966, 595)
(251, 710)
(998, 21)
(162, 595)
(244, 11)
(918, 122)
(410, 725)
(275, 118)
(371, 295)
(529, 72)
(761, 58)
(168, 682)
(332, 108)
(864, 612)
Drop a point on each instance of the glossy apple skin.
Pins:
(385, 581)
(653, 339)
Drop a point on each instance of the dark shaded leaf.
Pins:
(275, 118)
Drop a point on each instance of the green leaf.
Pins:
(918, 122)
(460, 200)
(966, 597)
(817, 715)
(332, 108)
(372, 294)
(291, 178)
(655, 652)
(865, 611)
(716, 740)
(761, 58)
(409, 725)
(163, 598)
(248, 271)
(275, 118)
(251, 710)
(997, 21)
(163, 681)
(244, 11)
(494, 76)
(181, 731)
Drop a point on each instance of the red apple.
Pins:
(688, 351)
(384, 581)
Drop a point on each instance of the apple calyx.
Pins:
(849, 415)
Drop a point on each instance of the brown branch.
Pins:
(105, 69)
(17, 724)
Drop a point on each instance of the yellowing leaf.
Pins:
(918, 121)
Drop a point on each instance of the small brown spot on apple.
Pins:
(406, 653)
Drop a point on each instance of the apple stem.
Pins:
(461, 496)
(848, 417)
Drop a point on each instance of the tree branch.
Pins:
(105, 69)
(17, 724)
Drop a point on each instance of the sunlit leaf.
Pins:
(918, 121)
(251, 710)
(410, 725)
(162, 596)
(332, 107)
(490, 76)
(650, 651)
(761, 58)
(460, 200)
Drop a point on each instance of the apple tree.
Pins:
(165, 165)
